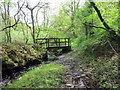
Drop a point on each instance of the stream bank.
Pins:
(74, 76)
(18, 58)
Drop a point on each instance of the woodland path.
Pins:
(73, 75)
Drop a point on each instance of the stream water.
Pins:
(8, 76)
(73, 75)
(14, 74)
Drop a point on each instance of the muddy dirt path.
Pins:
(73, 75)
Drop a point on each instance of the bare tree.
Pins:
(5, 13)
(31, 9)
(45, 12)
(6, 18)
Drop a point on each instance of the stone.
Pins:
(70, 85)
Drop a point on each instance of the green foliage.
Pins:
(107, 74)
(45, 76)
(102, 69)
(86, 45)
(20, 54)
(94, 50)
(6, 3)
(110, 13)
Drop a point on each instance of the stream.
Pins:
(73, 76)
(9, 76)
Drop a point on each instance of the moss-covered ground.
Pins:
(45, 76)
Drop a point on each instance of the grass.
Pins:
(45, 76)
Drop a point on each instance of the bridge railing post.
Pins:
(65, 41)
(59, 42)
(48, 42)
(68, 41)
(55, 40)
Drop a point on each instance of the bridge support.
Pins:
(67, 49)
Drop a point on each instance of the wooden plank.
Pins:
(56, 42)
(52, 42)
(50, 38)
(57, 47)
(42, 43)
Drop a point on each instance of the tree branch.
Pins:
(94, 26)
(112, 48)
(10, 26)
(36, 5)
(99, 15)
(19, 7)
(25, 19)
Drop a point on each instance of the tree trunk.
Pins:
(33, 27)
(86, 31)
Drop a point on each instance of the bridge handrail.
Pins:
(50, 38)
(56, 40)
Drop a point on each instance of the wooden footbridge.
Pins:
(52, 43)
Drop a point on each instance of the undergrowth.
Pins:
(103, 70)
(99, 60)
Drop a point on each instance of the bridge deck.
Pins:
(61, 47)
